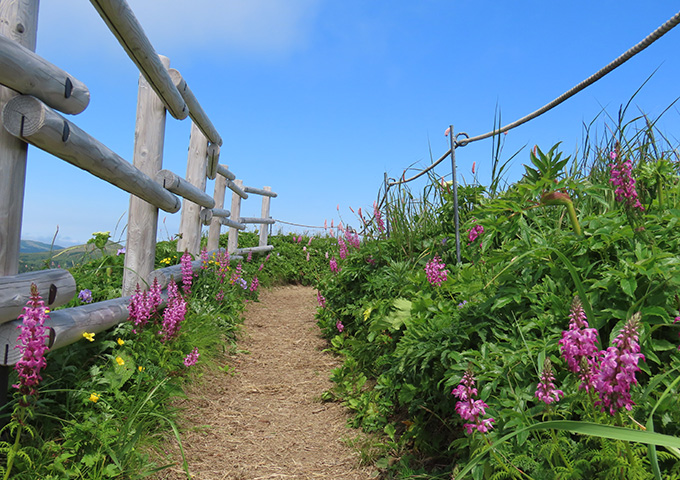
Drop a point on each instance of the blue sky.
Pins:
(318, 98)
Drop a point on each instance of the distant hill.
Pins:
(63, 258)
(31, 246)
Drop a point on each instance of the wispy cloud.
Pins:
(268, 27)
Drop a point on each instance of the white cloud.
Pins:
(270, 27)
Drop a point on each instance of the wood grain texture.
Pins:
(215, 223)
(266, 204)
(176, 184)
(56, 287)
(232, 243)
(190, 222)
(196, 112)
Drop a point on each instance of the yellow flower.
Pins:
(94, 397)
(140, 368)
(89, 336)
(120, 342)
(47, 310)
(120, 361)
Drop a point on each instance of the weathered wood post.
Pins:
(140, 248)
(216, 223)
(264, 229)
(18, 22)
(232, 244)
(190, 222)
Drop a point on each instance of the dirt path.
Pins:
(266, 420)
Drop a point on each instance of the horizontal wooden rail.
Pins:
(29, 74)
(122, 22)
(266, 248)
(264, 221)
(56, 286)
(224, 171)
(34, 122)
(236, 189)
(196, 112)
(67, 325)
(259, 191)
(207, 214)
(176, 184)
(232, 223)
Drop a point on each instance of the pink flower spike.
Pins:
(447, 131)
(546, 391)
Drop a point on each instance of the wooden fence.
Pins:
(32, 90)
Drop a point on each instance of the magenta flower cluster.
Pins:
(578, 346)
(470, 408)
(622, 179)
(353, 239)
(321, 300)
(378, 218)
(204, 258)
(618, 367)
(436, 271)
(187, 273)
(334, 265)
(254, 284)
(144, 304)
(191, 359)
(174, 313)
(546, 390)
(343, 250)
(474, 233)
(32, 344)
(339, 326)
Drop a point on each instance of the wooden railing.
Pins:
(34, 92)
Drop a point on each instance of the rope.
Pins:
(630, 53)
(299, 225)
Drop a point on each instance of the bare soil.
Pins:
(263, 419)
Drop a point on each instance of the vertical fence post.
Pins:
(140, 248)
(455, 192)
(18, 22)
(190, 222)
(266, 200)
(215, 223)
(235, 215)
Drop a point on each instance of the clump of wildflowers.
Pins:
(236, 276)
(377, 215)
(144, 304)
(618, 367)
(339, 326)
(343, 251)
(32, 344)
(174, 313)
(249, 258)
(85, 295)
(334, 265)
(254, 284)
(353, 239)
(474, 233)
(204, 258)
(546, 391)
(470, 408)
(187, 273)
(436, 271)
(622, 178)
(191, 359)
(320, 299)
(578, 346)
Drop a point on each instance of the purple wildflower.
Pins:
(187, 273)
(174, 313)
(249, 258)
(121, 251)
(546, 391)
(622, 179)
(618, 367)
(320, 299)
(378, 218)
(578, 346)
(474, 233)
(191, 359)
(334, 265)
(236, 276)
(254, 284)
(139, 308)
(260, 267)
(219, 296)
(435, 271)
(470, 408)
(339, 326)
(343, 248)
(85, 295)
(32, 344)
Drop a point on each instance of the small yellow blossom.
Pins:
(120, 342)
(94, 397)
(120, 361)
(140, 368)
(89, 336)
(47, 310)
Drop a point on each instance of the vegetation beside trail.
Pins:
(411, 322)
